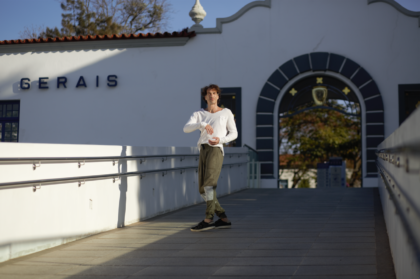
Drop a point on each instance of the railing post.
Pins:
(248, 182)
(253, 174)
(251, 177)
(259, 174)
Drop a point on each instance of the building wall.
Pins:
(158, 87)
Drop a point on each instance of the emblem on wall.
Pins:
(319, 94)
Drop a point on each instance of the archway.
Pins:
(327, 64)
(319, 118)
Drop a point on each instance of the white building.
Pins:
(140, 90)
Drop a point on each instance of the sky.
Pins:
(16, 14)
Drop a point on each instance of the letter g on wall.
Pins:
(24, 83)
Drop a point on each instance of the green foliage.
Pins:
(314, 136)
(105, 17)
(304, 183)
(140, 15)
(79, 20)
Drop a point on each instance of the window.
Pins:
(409, 99)
(231, 99)
(9, 121)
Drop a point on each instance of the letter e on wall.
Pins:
(42, 84)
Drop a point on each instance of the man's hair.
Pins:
(211, 86)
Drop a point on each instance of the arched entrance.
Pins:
(319, 118)
(310, 65)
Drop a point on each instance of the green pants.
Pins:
(209, 168)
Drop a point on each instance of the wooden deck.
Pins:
(296, 233)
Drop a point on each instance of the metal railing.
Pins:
(254, 177)
(399, 156)
(36, 162)
(82, 179)
(254, 168)
(406, 208)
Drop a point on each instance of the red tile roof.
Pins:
(183, 34)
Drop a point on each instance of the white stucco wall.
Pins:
(61, 213)
(158, 87)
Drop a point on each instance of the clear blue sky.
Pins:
(16, 14)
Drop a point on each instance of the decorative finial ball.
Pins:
(197, 13)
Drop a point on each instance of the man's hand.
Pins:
(209, 129)
(214, 141)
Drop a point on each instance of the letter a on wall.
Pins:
(81, 82)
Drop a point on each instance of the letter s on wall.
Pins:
(112, 82)
(25, 85)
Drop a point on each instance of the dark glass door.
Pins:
(9, 121)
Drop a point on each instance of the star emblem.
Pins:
(319, 80)
(293, 92)
(346, 90)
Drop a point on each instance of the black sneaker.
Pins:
(222, 224)
(203, 226)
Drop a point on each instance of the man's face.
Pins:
(211, 96)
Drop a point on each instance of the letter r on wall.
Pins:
(61, 80)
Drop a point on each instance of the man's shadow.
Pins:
(122, 168)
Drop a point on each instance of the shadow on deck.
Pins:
(296, 233)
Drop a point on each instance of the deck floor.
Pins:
(296, 233)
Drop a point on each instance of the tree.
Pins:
(31, 32)
(304, 183)
(138, 16)
(105, 17)
(316, 135)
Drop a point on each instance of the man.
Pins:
(214, 124)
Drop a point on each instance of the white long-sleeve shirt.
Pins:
(222, 122)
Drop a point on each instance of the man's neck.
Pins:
(213, 108)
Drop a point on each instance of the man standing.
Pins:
(214, 124)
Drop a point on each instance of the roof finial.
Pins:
(197, 14)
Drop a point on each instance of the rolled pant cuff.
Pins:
(222, 216)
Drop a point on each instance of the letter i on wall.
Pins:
(97, 81)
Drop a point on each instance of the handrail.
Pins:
(80, 179)
(412, 148)
(399, 156)
(254, 175)
(404, 206)
(249, 147)
(24, 160)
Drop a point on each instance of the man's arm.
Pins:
(193, 124)
(231, 127)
